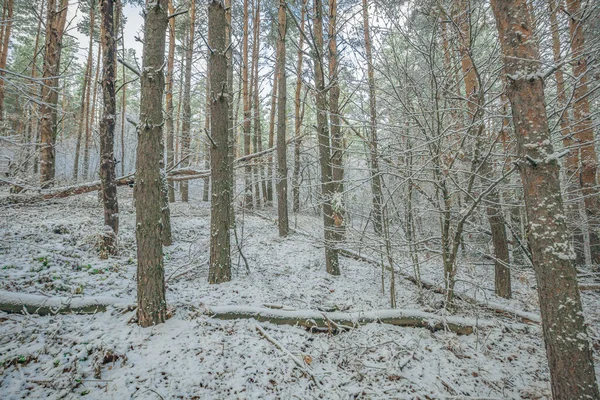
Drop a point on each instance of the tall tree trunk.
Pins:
(187, 109)
(123, 99)
(169, 98)
(583, 129)
(297, 113)
(6, 30)
(152, 305)
(572, 160)
(56, 18)
(567, 343)
(373, 141)
(282, 172)
(327, 185)
(232, 135)
(475, 101)
(85, 90)
(89, 123)
(271, 142)
(206, 188)
(259, 170)
(337, 141)
(220, 207)
(107, 130)
(248, 198)
(35, 123)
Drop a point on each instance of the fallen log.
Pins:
(14, 302)
(498, 308)
(334, 321)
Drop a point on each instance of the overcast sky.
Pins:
(133, 27)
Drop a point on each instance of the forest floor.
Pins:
(49, 248)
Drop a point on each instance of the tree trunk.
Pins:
(373, 142)
(6, 29)
(475, 102)
(56, 18)
(271, 142)
(169, 99)
(107, 131)
(85, 91)
(152, 305)
(572, 159)
(89, 122)
(282, 172)
(248, 198)
(337, 141)
(220, 206)
(567, 343)
(297, 114)
(206, 187)
(327, 184)
(232, 123)
(256, 138)
(584, 130)
(35, 123)
(187, 109)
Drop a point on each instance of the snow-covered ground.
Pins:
(49, 249)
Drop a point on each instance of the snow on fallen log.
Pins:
(498, 308)
(14, 302)
(319, 321)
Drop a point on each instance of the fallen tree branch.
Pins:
(524, 316)
(14, 302)
(304, 368)
(318, 321)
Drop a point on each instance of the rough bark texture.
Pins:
(85, 91)
(327, 184)
(5, 39)
(220, 206)
(282, 173)
(336, 321)
(298, 114)
(583, 129)
(152, 305)
(567, 343)
(169, 100)
(373, 153)
(187, 109)
(247, 124)
(571, 161)
(475, 101)
(107, 131)
(56, 17)
(271, 142)
(337, 141)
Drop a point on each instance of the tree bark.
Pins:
(247, 124)
(567, 343)
(220, 206)
(282, 173)
(107, 131)
(583, 129)
(475, 102)
(327, 185)
(152, 305)
(273, 113)
(314, 320)
(572, 159)
(337, 142)
(187, 109)
(56, 18)
(90, 115)
(373, 142)
(85, 91)
(169, 99)
(298, 113)
(5, 38)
